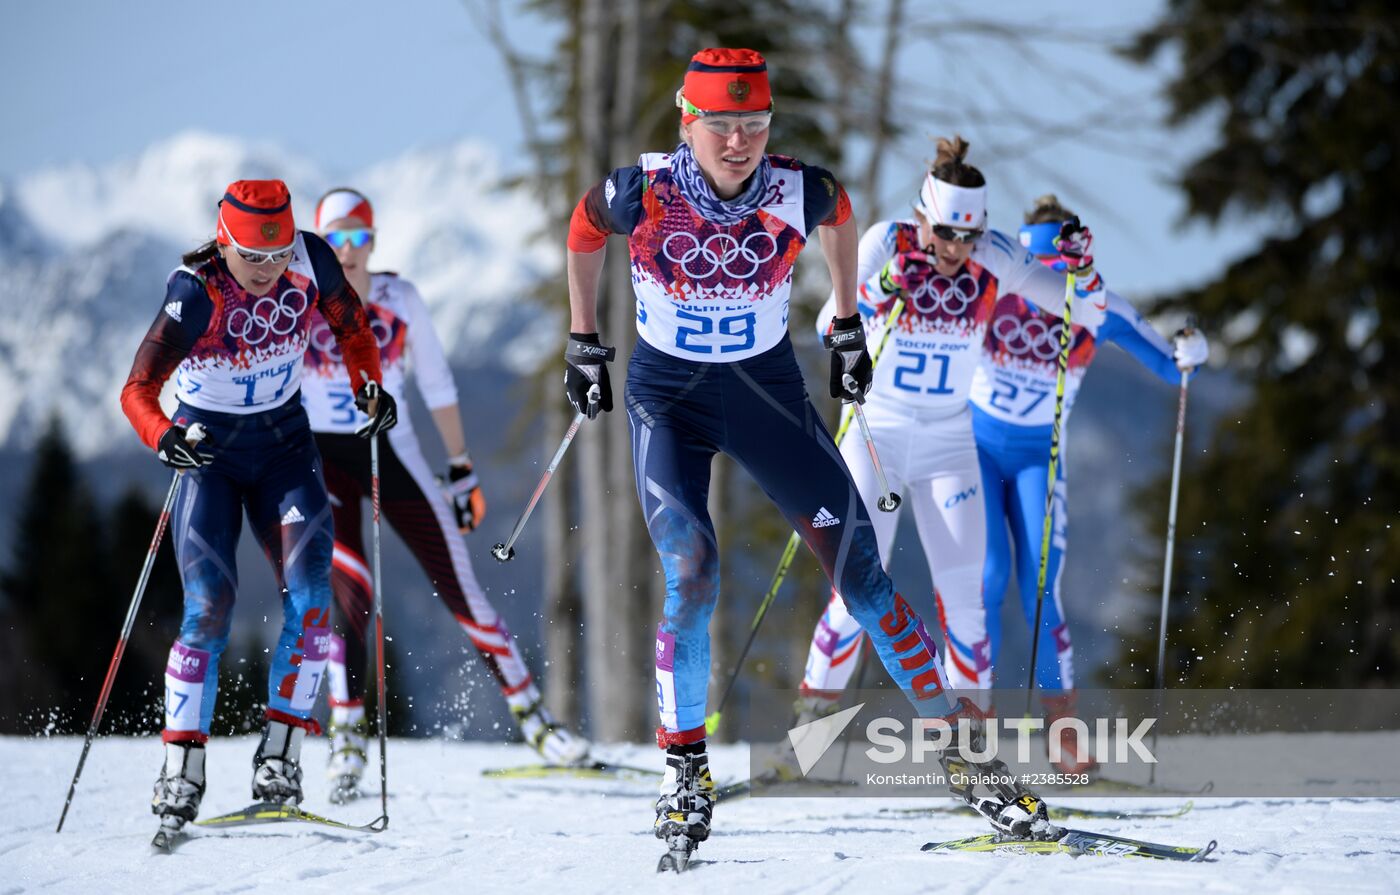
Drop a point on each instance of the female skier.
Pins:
(233, 330)
(714, 228)
(950, 271)
(1012, 415)
(430, 521)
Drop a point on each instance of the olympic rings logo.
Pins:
(1030, 336)
(951, 295)
(323, 340)
(720, 252)
(270, 316)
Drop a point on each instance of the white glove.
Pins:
(1192, 350)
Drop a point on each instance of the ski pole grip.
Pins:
(195, 433)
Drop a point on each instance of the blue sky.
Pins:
(345, 83)
(350, 83)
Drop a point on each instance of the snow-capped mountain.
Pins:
(85, 250)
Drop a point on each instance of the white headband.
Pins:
(954, 206)
(343, 203)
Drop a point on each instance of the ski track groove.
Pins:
(451, 828)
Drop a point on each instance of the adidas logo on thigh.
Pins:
(824, 519)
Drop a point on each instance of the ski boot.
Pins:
(349, 754)
(1014, 811)
(179, 790)
(685, 806)
(555, 743)
(806, 709)
(277, 764)
(1073, 756)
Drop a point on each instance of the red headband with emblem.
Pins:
(256, 214)
(724, 80)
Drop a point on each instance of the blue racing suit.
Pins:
(714, 371)
(1012, 416)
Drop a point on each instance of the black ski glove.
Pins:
(177, 448)
(386, 412)
(586, 374)
(848, 356)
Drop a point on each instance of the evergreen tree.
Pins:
(1289, 547)
(136, 705)
(58, 591)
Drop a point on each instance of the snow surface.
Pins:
(451, 829)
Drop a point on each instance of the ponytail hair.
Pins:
(193, 259)
(1048, 210)
(949, 164)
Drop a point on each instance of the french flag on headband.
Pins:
(957, 206)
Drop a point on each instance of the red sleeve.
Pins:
(842, 213)
(169, 341)
(141, 395)
(613, 205)
(584, 235)
(350, 325)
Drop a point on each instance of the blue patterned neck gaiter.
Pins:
(697, 191)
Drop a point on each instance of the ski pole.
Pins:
(793, 542)
(194, 435)
(888, 501)
(1167, 564)
(1051, 478)
(381, 706)
(506, 552)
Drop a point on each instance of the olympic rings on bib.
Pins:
(323, 340)
(950, 295)
(270, 316)
(720, 252)
(1029, 336)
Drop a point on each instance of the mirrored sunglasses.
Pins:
(356, 239)
(955, 234)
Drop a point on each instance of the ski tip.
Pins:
(677, 862)
(1201, 855)
(163, 843)
(379, 824)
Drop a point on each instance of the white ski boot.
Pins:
(1014, 811)
(685, 806)
(277, 764)
(179, 790)
(349, 740)
(555, 742)
(180, 787)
